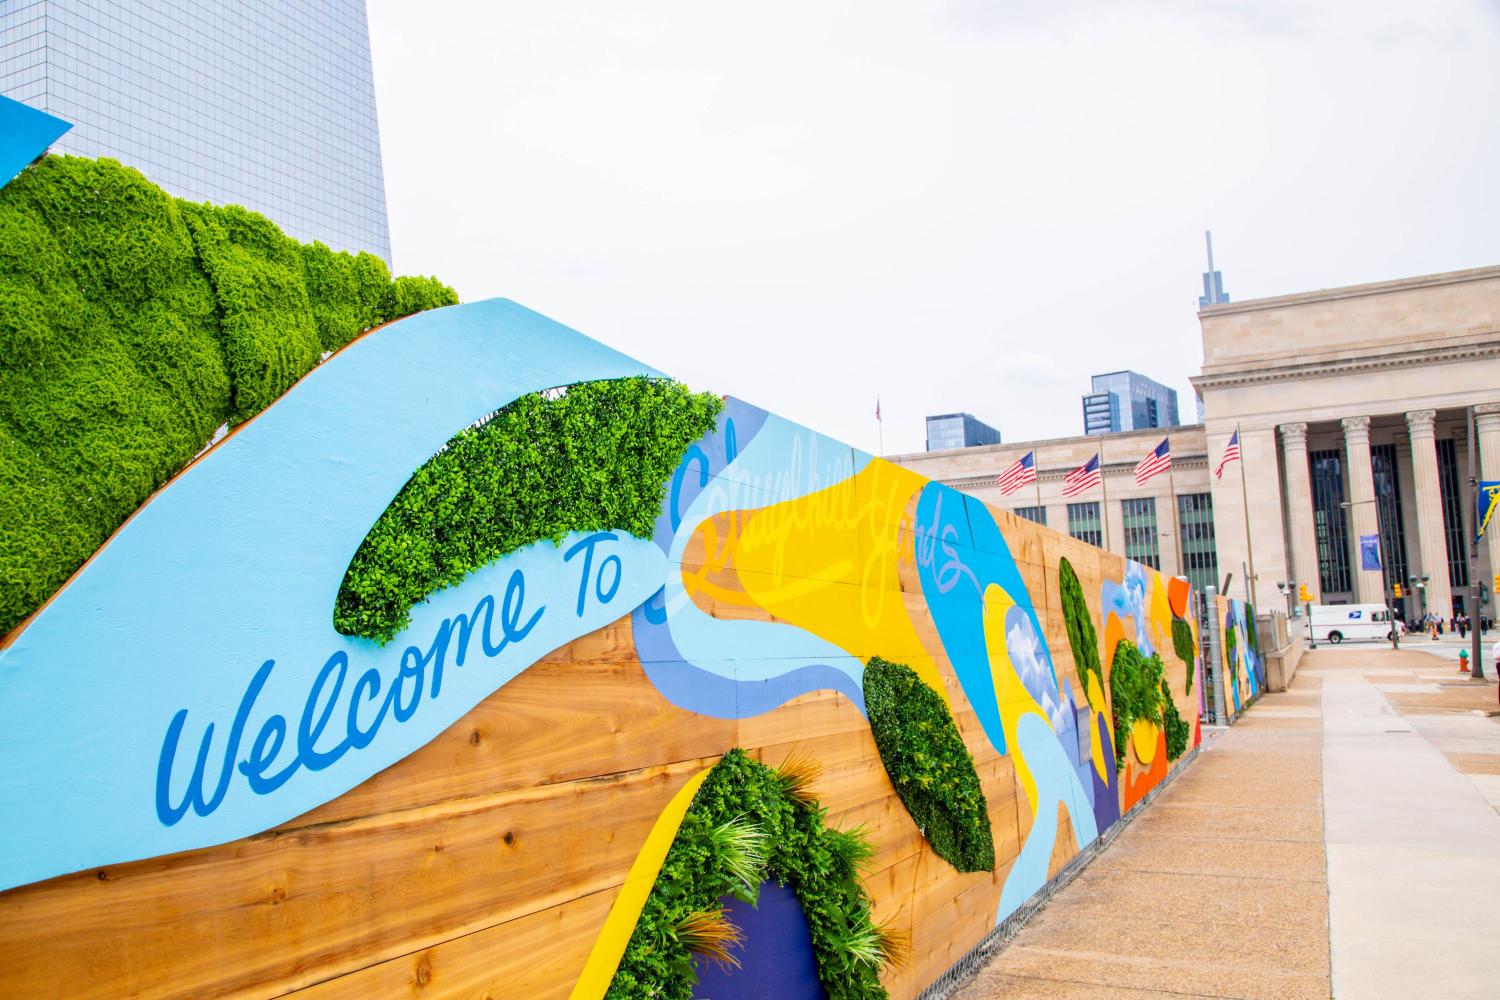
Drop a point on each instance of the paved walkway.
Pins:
(1343, 839)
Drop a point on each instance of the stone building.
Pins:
(1167, 523)
(1351, 404)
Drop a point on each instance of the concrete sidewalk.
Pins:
(1222, 886)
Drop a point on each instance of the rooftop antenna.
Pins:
(1213, 281)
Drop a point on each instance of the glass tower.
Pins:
(1128, 401)
(268, 104)
(958, 430)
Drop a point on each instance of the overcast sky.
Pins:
(958, 205)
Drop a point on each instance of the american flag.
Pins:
(1231, 454)
(1083, 478)
(1159, 460)
(1018, 475)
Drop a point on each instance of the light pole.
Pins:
(1419, 584)
(1385, 592)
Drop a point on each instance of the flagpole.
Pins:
(1104, 491)
(880, 424)
(1245, 501)
(1176, 513)
(1036, 481)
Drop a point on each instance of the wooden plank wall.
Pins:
(484, 864)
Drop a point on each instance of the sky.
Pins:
(957, 205)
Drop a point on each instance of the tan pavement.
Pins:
(1220, 888)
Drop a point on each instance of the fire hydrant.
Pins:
(1463, 661)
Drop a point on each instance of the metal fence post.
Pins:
(1211, 651)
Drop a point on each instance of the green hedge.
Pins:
(929, 765)
(1082, 638)
(1176, 726)
(1135, 692)
(818, 863)
(132, 325)
(1185, 647)
(596, 457)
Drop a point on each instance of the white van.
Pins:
(1337, 622)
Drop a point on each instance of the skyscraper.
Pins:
(268, 104)
(1128, 401)
(958, 430)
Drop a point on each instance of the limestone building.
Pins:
(1351, 404)
(1167, 523)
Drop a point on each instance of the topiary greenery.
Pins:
(595, 457)
(1175, 725)
(705, 863)
(1082, 638)
(1135, 692)
(1186, 649)
(1231, 651)
(929, 765)
(132, 325)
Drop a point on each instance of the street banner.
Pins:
(1489, 498)
(1369, 552)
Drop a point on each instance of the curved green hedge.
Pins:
(597, 457)
(1185, 647)
(820, 864)
(929, 765)
(1082, 638)
(1135, 692)
(132, 325)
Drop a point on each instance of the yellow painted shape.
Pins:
(609, 946)
(1159, 619)
(829, 563)
(1100, 710)
(1014, 700)
(1143, 740)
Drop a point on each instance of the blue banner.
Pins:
(1369, 552)
(1488, 496)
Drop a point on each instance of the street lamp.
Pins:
(1385, 592)
(1288, 590)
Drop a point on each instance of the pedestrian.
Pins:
(1463, 626)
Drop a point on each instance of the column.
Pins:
(1430, 535)
(1362, 519)
(1487, 420)
(1299, 504)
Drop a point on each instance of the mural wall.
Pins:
(1244, 670)
(819, 726)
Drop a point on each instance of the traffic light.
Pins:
(1304, 596)
(1398, 590)
(1496, 588)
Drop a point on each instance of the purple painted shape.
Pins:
(777, 957)
(1106, 793)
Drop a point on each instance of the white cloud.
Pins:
(808, 204)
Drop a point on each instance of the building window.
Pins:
(1330, 522)
(1453, 514)
(1036, 515)
(1140, 531)
(1392, 531)
(1083, 523)
(1200, 557)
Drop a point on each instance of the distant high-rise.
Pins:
(958, 430)
(1128, 401)
(268, 104)
(1213, 281)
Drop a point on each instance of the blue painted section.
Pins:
(25, 134)
(210, 612)
(777, 958)
(1055, 782)
(738, 669)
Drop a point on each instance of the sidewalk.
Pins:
(1222, 887)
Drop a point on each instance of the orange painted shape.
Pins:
(1178, 591)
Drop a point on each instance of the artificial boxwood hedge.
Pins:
(929, 765)
(1082, 638)
(1138, 691)
(1185, 647)
(132, 325)
(821, 865)
(595, 457)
